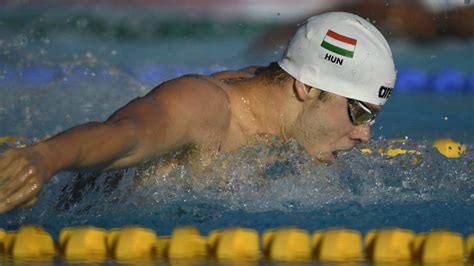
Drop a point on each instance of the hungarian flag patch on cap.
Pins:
(339, 44)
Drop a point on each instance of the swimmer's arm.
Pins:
(91, 146)
(118, 142)
(138, 132)
(188, 111)
(94, 145)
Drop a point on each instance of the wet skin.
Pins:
(216, 113)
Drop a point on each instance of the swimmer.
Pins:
(334, 77)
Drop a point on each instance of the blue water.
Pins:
(55, 75)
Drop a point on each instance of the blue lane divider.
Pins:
(79, 73)
(408, 79)
(36, 75)
(470, 83)
(39, 74)
(411, 80)
(448, 80)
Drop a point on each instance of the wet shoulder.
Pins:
(198, 99)
(196, 88)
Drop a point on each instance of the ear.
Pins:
(304, 92)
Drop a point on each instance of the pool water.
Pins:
(62, 67)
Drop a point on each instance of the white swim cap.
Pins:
(344, 54)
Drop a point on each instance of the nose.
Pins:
(361, 133)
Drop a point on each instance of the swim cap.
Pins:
(344, 54)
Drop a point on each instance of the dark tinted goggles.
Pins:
(360, 113)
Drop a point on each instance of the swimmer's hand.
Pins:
(22, 175)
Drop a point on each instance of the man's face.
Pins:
(325, 128)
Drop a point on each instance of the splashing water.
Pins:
(266, 185)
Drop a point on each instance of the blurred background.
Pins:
(68, 62)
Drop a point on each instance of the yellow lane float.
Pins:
(29, 242)
(184, 243)
(83, 243)
(449, 148)
(337, 245)
(439, 247)
(133, 244)
(5, 139)
(3, 234)
(389, 245)
(470, 247)
(234, 244)
(286, 244)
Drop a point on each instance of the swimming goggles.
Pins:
(360, 113)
